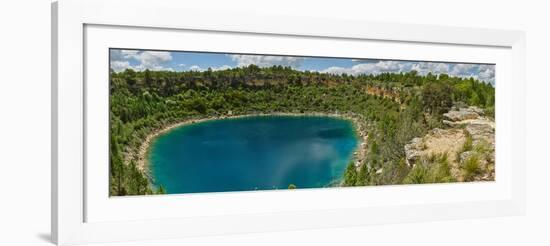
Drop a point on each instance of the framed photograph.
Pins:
(172, 125)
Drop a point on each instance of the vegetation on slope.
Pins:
(395, 108)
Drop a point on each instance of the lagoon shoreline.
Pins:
(142, 155)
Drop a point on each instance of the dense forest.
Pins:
(395, 107)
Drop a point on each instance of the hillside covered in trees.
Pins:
(396, 108)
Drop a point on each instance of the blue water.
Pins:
(252, 153)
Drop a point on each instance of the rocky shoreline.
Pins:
(360, 129)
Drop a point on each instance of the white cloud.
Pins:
(462, 68)
(160, 60)
(152, 60)
(224, 67)
(196, 68)
(487, 73)
(267, 61)
(424, 68)
(118, 66)
(369, 68)
(200, 69)
(129, 53)
(481, 72)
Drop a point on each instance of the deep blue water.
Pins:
(252, 153)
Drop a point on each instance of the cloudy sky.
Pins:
(185, 61)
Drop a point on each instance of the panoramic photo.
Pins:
(192, 122)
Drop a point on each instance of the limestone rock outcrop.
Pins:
(469, 134)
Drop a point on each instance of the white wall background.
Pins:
(25, 122)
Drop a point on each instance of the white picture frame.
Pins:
(83, 214)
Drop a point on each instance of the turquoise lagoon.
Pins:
(253, 153)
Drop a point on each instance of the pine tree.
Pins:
(350, 176)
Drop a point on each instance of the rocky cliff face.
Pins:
(468, 142)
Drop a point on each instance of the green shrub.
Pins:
(350, 176)
(471, 167)
(468, 144)
(490, 111)
(161, 190)
(442, 169)
(435, 168)
(482, 147)
(418, 175)
(362, 176)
